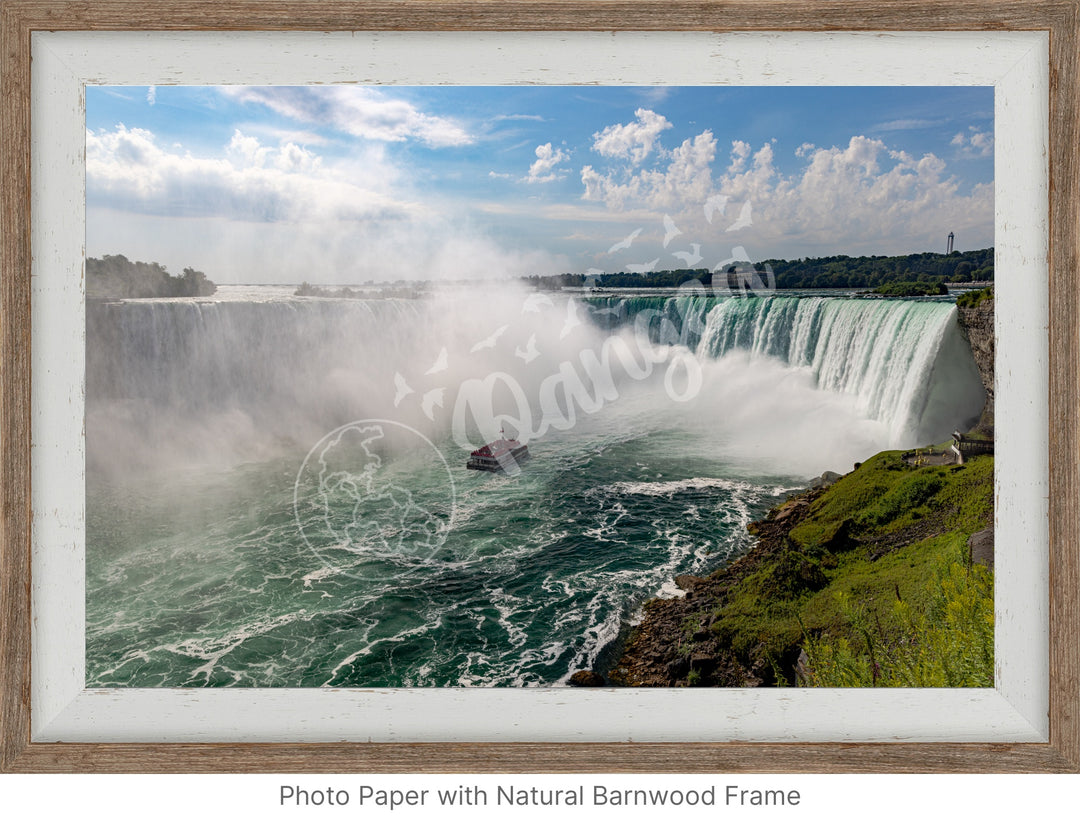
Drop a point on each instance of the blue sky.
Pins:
(344, 184)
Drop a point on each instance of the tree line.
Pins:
(874, 271)
(116, 277)
(808, 273)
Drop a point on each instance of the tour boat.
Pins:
(503, 455)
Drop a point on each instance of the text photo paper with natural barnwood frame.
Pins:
(1028, 721)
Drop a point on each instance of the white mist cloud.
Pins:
(281, 214)
(357, 111)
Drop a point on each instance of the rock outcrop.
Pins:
(977, 326)
(585, 678)
(981, 547)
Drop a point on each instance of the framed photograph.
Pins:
(440, 387)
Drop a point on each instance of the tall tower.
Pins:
(951, 237)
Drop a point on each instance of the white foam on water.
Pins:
(369, 646)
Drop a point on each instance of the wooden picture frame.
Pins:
(19, 19)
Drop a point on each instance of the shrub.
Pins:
(794, 573)
(912, 289)
(974, 298)
(904, 498)
(948, 642)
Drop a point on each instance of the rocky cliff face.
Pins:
(977, 325)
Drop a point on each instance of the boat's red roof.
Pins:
(498, 447)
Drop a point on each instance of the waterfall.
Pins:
(903, 362)
(168, 380)
(227, 376)
(189, 354)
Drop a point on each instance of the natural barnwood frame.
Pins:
(1060, 18)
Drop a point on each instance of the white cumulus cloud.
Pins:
(860, 196)
(128, 169)
(974, 143)
(633, 141)
(685, 178)
(543, 168)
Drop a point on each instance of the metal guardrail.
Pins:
(969, 446)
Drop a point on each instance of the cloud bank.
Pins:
(863, 195)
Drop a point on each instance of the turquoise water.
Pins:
(239, 533)
(535, 576)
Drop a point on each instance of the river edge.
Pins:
(651, 652)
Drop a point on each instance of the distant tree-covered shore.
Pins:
(911, 289)
(809, 273)
(874, 271)
(116, 277)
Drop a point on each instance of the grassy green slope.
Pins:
(886, 534)
(867, 580)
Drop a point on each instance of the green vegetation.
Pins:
(655, 279)
(974, 298)
(942, 638)
(805, 274)
(874, 271)
(115, 277)
(912, 289)
(872, 582)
